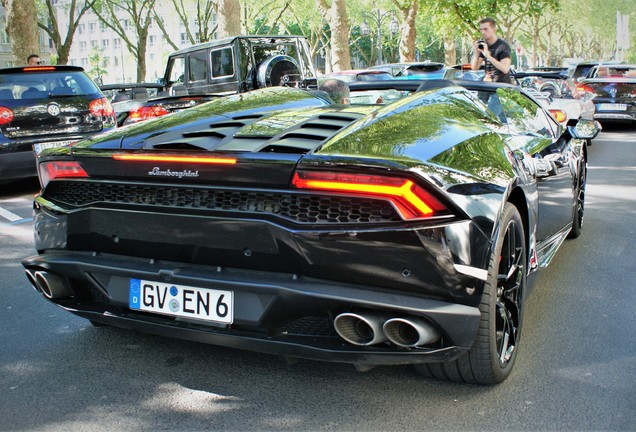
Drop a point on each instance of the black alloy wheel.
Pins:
(577, 220)
(492, 356)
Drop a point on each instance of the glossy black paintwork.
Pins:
(443, 139)
(433, 154)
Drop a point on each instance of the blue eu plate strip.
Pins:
(135, 293)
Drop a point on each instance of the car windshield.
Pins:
(581, 71)
(377, 97)
(34, 85)
(617, 71)
(264, 51)
(555, 87)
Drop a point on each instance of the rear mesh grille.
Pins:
(311, 326)
(296, 207)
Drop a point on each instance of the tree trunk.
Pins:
(22, 29)
(450, 50)
(408, 32)
(62, 54)
(229, 18)
(141, 57)
(339, 25)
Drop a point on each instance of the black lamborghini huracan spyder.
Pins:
(406, 227)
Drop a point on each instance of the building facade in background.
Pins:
(6, 54)
(101, 52)
(94, 40)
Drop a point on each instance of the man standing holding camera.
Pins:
(493, 51)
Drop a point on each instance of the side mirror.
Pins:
(585, 129)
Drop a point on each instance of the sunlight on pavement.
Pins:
(175, 397)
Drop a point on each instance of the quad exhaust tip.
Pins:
(364, 329)
(410, 332)
(31, 277)
(360, 329)
(52, 286)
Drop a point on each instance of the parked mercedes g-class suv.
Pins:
(222, 67)
(239, 64)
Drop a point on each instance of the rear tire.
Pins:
(577, 220)
(491, 358)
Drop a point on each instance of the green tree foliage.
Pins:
(205, 26)
(124, 17)
(549, 31)
(98, 64)
(592, 35)
(62, 37)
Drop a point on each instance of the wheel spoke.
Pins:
(506, 336)
(509, 286)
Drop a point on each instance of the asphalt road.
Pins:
(576, 369)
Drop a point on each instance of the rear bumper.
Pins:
(274, 313)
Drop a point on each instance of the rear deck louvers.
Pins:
(308, 135)
(208, 139)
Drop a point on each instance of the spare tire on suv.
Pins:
(278, 70)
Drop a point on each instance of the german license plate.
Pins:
(37, 148)
(182, 301)
(612, 107)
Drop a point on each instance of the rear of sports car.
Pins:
(43, 107)
(265, 240)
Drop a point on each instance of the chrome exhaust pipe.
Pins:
(52, 286)
(410, 332)
(31, 277)
(360, 329)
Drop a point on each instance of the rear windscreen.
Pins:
(615, 90)
(34, 85)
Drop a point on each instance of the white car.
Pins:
(559, 94)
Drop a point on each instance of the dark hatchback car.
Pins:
(614, 90)
(393, 232)
(43, 107)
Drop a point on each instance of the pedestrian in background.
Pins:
(337, 90)
(493, 51)
(34, 60)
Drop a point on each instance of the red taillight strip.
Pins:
(38, 68)
(582, 88)
(146, 113)
(172, 158)
(410, 200)
(59, 169)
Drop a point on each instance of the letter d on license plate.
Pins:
(182, 301)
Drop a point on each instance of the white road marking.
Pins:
(8, 215)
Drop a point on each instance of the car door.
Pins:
(555, 163)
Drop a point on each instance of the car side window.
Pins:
(222, 62)
(491, 100)
(177, 71)
(197, 66)
(523, 114)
